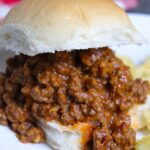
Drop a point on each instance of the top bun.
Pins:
(41, 26)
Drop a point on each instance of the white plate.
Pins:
(8, 140)
(138, 53)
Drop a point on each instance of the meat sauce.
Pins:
(91, 86)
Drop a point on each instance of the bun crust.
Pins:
(41, 26)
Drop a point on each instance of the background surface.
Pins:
(143, 7)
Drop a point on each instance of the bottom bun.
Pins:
(61, 137)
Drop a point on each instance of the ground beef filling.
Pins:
(80, 86)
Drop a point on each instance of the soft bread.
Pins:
(40, 26)
(61, 137)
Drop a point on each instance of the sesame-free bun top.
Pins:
(40, 26)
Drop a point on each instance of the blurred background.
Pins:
(134, 6)
(137, 6)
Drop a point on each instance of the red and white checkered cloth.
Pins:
(6, 5)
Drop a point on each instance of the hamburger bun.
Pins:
(43, 26)
(61, 137)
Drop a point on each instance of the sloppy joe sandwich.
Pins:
(65, 86)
